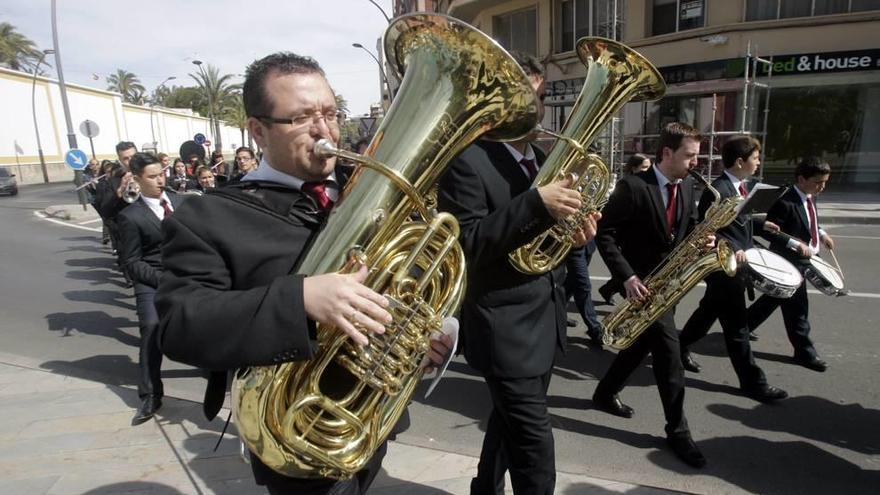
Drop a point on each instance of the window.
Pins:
(578, 18)
(517, 31)
(669, 16)
(762, 10)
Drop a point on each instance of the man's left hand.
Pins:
(587, 232)
(440, 349)
(827, 241)
(771, 227)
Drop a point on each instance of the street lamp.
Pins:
(152, 106)
(34, 110)
(381, 10)
(198, 63)
(381, 72)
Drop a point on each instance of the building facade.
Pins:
(801, 75)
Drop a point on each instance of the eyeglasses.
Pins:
(328, 116)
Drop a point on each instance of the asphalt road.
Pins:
(64, 308)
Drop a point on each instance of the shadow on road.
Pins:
(135, 487)
(761, 466)
(94, 323)
(108, 297)
(854, 427)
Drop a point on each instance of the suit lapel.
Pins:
(650, 178)
(151, 217)
(799, 207)
(507, 166)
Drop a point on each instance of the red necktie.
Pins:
(531, 167)
(814, 229)
(742, 189)
(165, 206)
(318, 192)
(672, 189)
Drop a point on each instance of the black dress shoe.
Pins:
(595, 335)
(613, 405)
(570, 323)
(812, 362)
(148, 408)
(686, 450)
(765, 394)
(688, 362)
(607, 293)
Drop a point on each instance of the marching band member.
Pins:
(795, 213)
(647, 214)
(725, 296)
(513, 324)
(140, 257)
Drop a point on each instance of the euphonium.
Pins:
(689, 263)
(327, 416)
(616, 74)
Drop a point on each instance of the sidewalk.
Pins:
(834, 208)
(64, 435)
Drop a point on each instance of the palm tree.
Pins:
(128, 85)
(236, 116)
(341, 104)
(219, 92)
(17, 51)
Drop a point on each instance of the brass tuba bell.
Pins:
(327, 416)
(616, 74)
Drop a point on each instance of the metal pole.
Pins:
(71, 136)
(381, 72)
(34, 111)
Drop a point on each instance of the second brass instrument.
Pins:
(689, 263)
(616, 74)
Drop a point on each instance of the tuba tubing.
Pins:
(458, 85)
(616, 74)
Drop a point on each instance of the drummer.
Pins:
(725, 296)
(795, 212)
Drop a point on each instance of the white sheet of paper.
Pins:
(450, 328)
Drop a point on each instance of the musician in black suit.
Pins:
(512, 324)
(646, 215)
(140, 236)
(230, 296)
(795, 213)
(108, 196)
(725, 296)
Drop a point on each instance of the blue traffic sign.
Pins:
(199, 138)
(76, 159)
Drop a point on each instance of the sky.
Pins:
(156, 39)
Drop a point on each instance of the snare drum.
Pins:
(772, 274)
(824, 277)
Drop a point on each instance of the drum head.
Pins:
(773, 267)
(828, 272)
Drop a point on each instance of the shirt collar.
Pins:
(736, 182)
(661, 179)
(266, 173)
(802, 195)
(529, 155)
(156, 202)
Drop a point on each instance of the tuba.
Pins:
(326, 417)
(616, 74)
(689, 263)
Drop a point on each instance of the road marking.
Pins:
(42, 215)
(866, 295)
(89, 221)
(866, 237)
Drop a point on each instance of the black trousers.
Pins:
(577, 285)
(150, 362)
(795, 311)
(725, 300)
(661, 340)
(518, 439)
(356, 485)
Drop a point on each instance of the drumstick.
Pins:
(842, 278)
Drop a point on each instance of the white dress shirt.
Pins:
(155, 205)
(266, 173)
(662, 181)
(793, 243)
(530, 155)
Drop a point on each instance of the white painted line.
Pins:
(867, 295)
(42, 215)
(867, 237)
(89, 221)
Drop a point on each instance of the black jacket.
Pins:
(512, 323)
(633, 236)
(789, 214)
(140, 241)
(741, 231)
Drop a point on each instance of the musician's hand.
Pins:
(440, 349)
(771, 227)
(804, 250)
(635, 289)
(560, 199)
(342, 300)
(740, 256)
(710, 241)
(123, 184)
(587, 231)
(827, 241)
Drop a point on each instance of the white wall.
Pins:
(117, 121)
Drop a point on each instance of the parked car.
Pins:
(8, 184)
